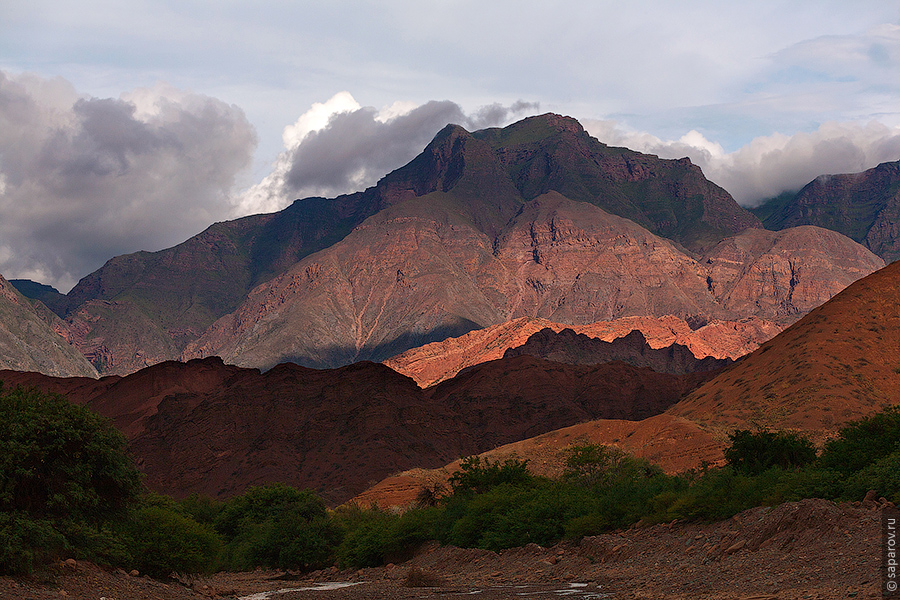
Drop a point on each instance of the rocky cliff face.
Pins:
(27, 343)
(863, 206)
(419, 272)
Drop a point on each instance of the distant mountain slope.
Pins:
(535, 219)
(46, 294)
(572, 348)
(437, 361)
(420, 272)
(783, 275)
(863, 206)
(146, 307)
(840, 362)
(28, 344)
(670, 198)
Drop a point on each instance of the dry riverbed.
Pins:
(812, 549)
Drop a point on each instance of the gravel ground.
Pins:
(806, 550)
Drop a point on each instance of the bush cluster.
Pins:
(68, 489)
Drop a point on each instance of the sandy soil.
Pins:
(812, 549)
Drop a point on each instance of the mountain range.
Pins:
(497, 276)
(537, 219)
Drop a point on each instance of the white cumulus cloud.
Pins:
(769, 165)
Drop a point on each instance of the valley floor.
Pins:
(813, 549)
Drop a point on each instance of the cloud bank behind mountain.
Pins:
(83, 179)
(768, 165)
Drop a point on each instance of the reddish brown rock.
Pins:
(783, 275)
(416, 273)
(435, 362)
(569, 347)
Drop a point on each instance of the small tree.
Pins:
(277, 526)
(753, 452)
(477, 477)
(62, 468)
(863, 442)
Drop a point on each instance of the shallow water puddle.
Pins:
(334, 585)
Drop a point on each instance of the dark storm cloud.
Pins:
(85, 179)
(357, 148)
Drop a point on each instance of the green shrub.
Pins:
(476, 477)
(753, 452)
(202, 509)
(374, 537)
(64, 476)
(277, 526)
(883, 476)
(861, 443)
(596, 465)
(162, 539)
(26, 541)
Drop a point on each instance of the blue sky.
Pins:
(239, 107)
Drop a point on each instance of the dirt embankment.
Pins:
(813, 549)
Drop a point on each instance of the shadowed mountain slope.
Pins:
(143, 308)
(838, 363)
(863, 206)
(207, 427)
(27, 343)
(670, 198)
(572, 348)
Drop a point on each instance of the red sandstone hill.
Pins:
(207, 427)
(840, 362)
